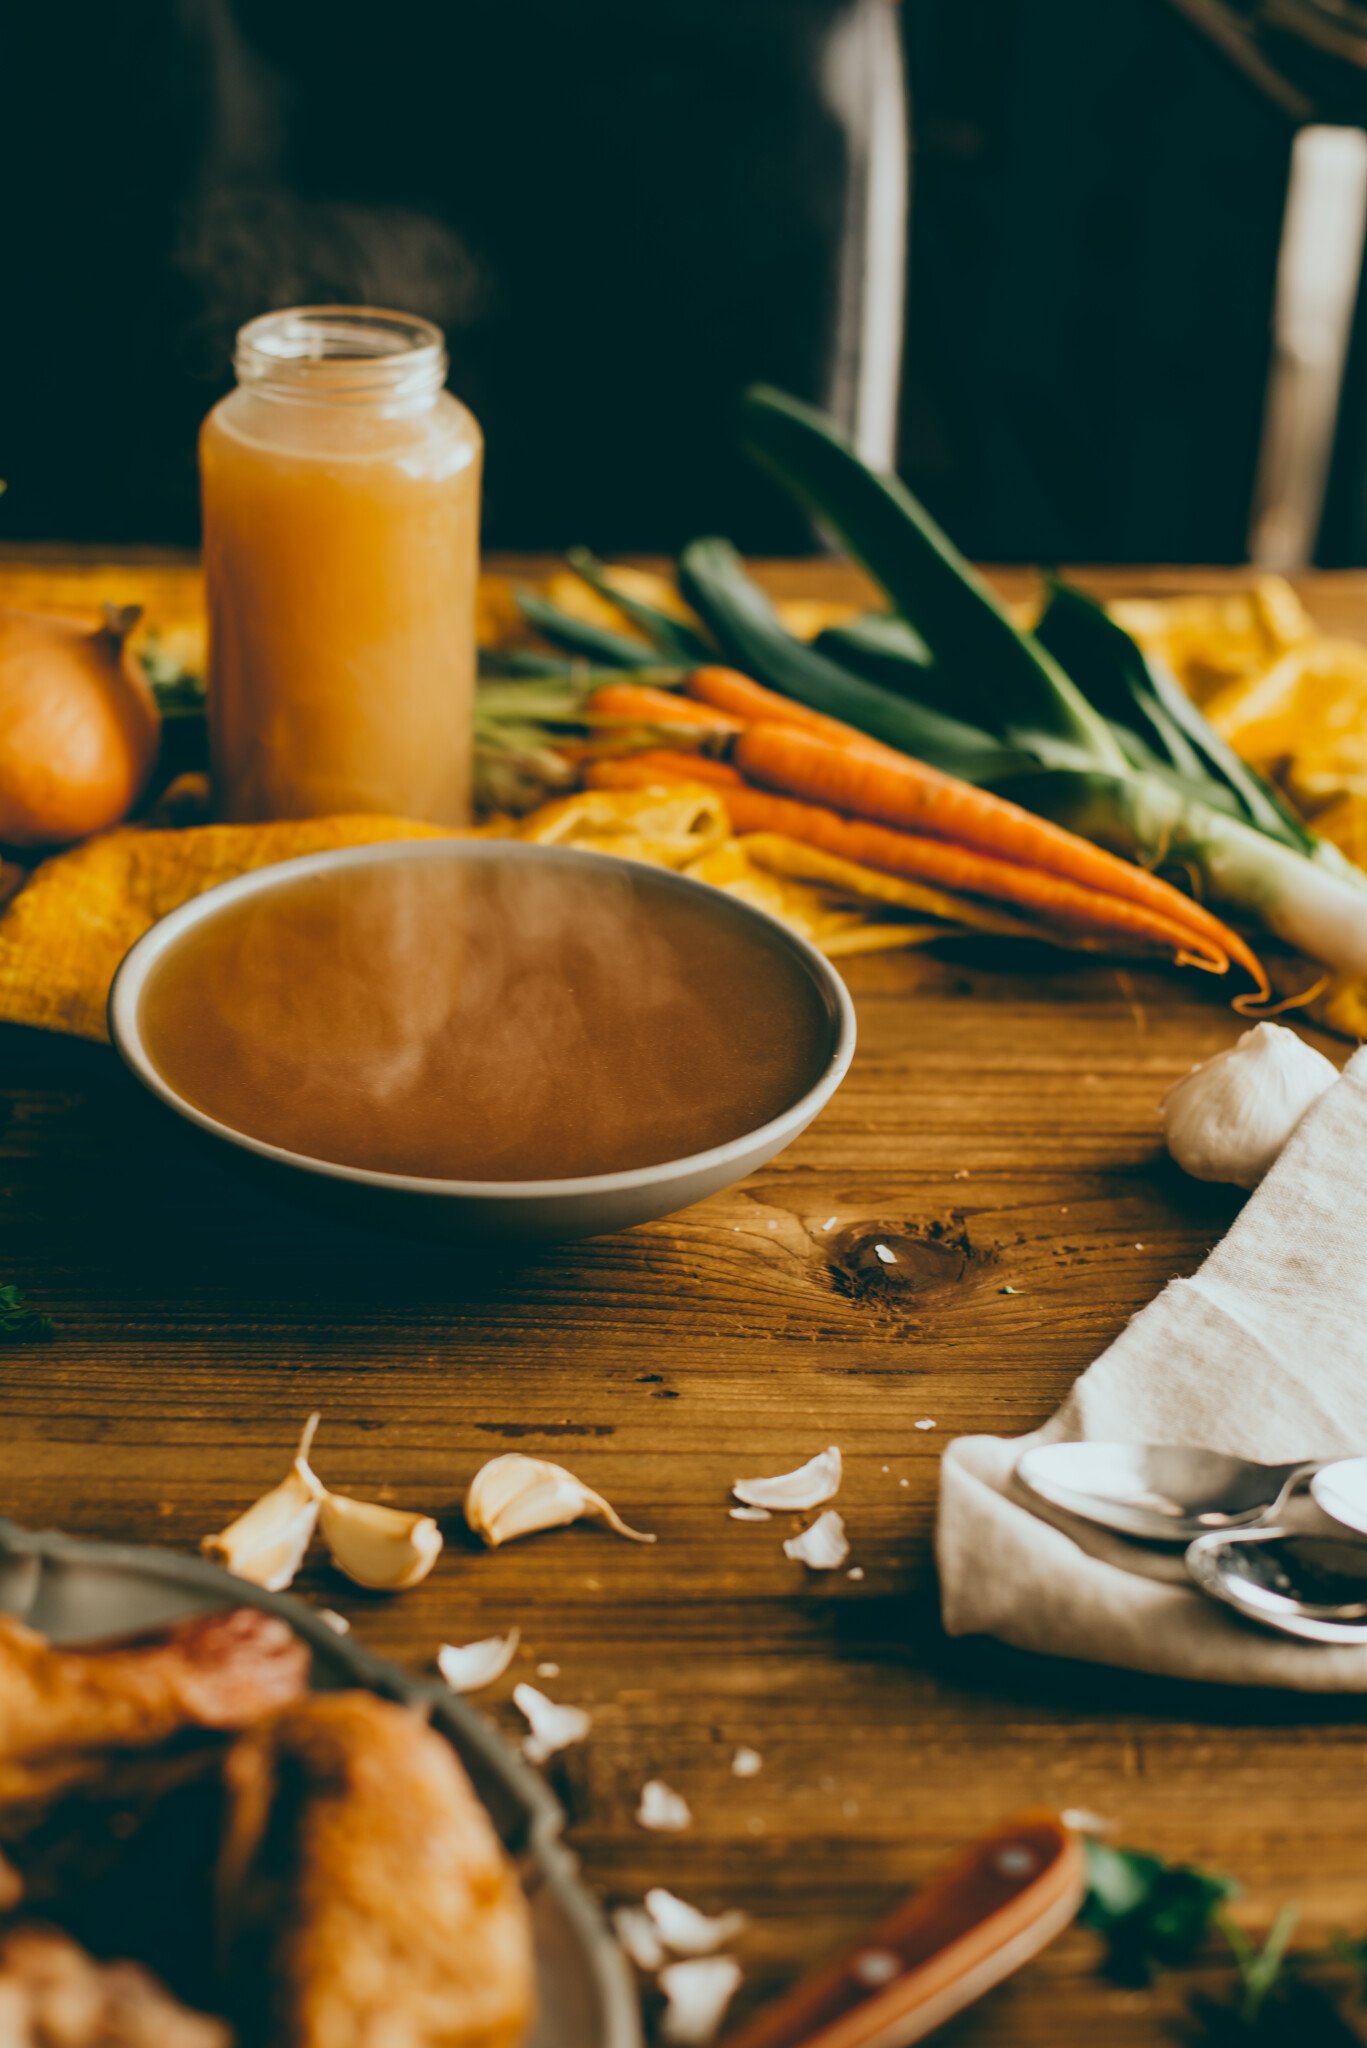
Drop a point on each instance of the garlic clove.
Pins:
(552, 1726)
(1230, 1117)
(385, 1549)
(517, 1496)
(267, 1543)
(636, 1934)
(685, 1930)
(662, 1808)
(467, 1667)
(822, 1548)
(809, 1487)
(698, 1993)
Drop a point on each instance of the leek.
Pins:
(1085, 730)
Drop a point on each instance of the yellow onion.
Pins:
(79, 726)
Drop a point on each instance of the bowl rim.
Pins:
(130, 981)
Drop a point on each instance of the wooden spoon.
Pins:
(977, 1919)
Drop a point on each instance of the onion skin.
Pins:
(79, 726)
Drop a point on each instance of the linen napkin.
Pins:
(1262, 1353)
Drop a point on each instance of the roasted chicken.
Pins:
(363, 1897)
(53, 1995)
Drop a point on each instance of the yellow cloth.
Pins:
(67, 926)
(65, 932)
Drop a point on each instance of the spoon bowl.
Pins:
(1340, 1490)
(1310, 1587)
(1158, 1493)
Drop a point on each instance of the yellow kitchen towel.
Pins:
(64, 933)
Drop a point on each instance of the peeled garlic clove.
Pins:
(823, 1547)
(467, 1667)
(383, 1548)
(662, 1808)
(698, 1994)
(267, 1543)
(516, 1496)
(552, 1726)
(812, 1484)
(1229, 1118)
(685, 1930)
(635, 1931)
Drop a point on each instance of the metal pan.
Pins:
(74, 1590)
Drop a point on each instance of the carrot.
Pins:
(1071, 905)
(660, 765)
(750, 703)
(641, 704)
(911, 797)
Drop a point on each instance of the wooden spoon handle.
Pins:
(976, 1920)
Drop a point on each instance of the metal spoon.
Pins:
(1164, 1493)
(1311, 1587)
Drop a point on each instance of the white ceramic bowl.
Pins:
(544, 1209)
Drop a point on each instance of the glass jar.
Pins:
(341, 550)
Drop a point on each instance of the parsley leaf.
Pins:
(20, 1324)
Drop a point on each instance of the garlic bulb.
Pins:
(385, 1549)
(267, 1543)
(467, 1667)
(697, 1992)
(1229, 1118)
(811, 1486)
(822, 1548)
(552, 1726)
(516, 1495)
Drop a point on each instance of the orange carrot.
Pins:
(641, 704)
(750, 703)
(1072, 905)
(662, 765)
(911, 797)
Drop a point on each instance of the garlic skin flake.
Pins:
(746, 1763)
(552, 1727)
(698, 1993)
(467, 1667)
(516, 1496)
(810, 1486)
(385, 1549)
(662, 1808)
(637, 1936)
(267, 1543)
(822, 1548)
(1230, 1117)
(685, 1930)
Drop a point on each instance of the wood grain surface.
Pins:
(998, 1132)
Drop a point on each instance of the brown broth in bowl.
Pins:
(486, 1019)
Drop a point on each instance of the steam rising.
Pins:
(498, 1019)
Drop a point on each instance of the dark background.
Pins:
(621, 213)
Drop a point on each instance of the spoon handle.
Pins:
(975, 1921)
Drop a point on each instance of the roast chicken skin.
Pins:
(62, 1712)
(53, 1995)
(363, 1896)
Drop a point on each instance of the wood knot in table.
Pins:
(895, 1265)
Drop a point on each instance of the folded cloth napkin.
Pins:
(1262, 1353)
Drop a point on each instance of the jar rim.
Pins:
(338, 353)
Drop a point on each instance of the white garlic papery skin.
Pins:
(1229, 1119)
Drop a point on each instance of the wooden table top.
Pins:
(999, 1125)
